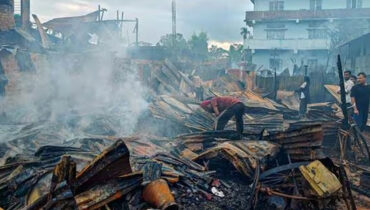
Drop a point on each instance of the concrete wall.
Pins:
(365, 3)
(334, 4)
(264, 5)
(289, 58)
(288, 44)
(294, 30)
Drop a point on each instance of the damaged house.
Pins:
(18, 49)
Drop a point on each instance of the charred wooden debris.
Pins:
(176, 160)
(145, 171)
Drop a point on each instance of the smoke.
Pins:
(95, 93)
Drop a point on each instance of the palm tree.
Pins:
(244, 32)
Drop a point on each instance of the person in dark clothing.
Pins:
(360, 97)
(225, 108)
(304, 96)
(199, 92)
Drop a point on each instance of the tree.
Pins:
(217, 52)
(235, 53)
(177, 48)
(198, 45)
(244, 32)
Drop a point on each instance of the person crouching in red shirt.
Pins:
(225, 108)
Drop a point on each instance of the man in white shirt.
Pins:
(348, 85)
(304, 96)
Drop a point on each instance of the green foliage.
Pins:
(235, 53)
(198, 45)
(177, 46)
(196, 48)
(244, 32)
(217, 53)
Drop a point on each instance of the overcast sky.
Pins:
(221, 19)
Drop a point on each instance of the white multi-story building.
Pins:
(288, 32)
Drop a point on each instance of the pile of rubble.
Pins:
(176, 160)
(139, 172)
(124, 174)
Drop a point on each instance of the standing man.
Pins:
(353, 79)
(360, 97)
(348, 85)
(225, 108)
(304, 96)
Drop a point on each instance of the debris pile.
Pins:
(139, 172)
(279, 162)
(166, 154)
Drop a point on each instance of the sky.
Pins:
(221, 19)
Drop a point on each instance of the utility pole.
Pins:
(99, 9)
(137, 32)
(121, 25)
(174, 33)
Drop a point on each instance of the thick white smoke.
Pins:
(97, 93)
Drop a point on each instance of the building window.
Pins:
(354, 4)
(276, 63)
(276, 34)
(317, 34)
(276, 5)
(315, 4)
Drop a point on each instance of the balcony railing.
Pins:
(307, 14)
(287, 44)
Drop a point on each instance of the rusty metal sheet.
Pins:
(110, 191)
(310, 132)
(113, 162)
(255, 100)
(177, 104)
(302, 142)
(244, 155)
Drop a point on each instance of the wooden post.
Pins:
(306, 70)
(275, 77)
(342, 94)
